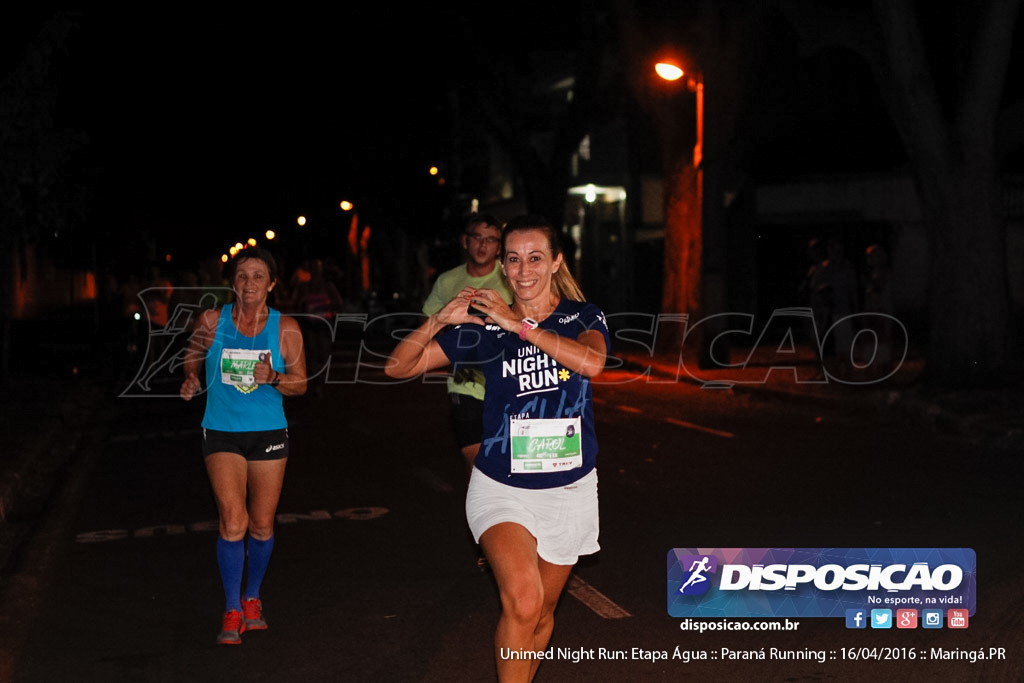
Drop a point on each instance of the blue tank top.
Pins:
(233, 402)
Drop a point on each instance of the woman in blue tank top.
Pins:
(251, 357)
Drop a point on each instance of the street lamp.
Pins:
(671, 72)
(685, 284)
(706, 229)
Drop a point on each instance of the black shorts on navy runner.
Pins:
(467, 416)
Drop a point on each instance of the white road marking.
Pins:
(595, 600)
(680, 423)
(699, 428)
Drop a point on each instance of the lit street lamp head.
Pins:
(670, 72)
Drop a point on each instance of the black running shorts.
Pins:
(268, 445)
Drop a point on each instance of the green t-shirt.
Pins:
(447, 285)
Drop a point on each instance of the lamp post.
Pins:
(683, 283)
(670, 72)
(705, 232)
(357, 256)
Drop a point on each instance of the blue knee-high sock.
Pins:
(231, 561)
(259, 558)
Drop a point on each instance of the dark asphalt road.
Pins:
(374, 578)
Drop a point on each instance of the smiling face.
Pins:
(528, 264)
(252, 282)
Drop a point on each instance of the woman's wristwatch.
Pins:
(528, 324)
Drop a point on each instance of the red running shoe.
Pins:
(252, 608)
(232, 628)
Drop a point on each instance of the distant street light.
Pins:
(271, 234)
(346, 206)
(301, 220)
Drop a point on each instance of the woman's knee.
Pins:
(523, 600)
(261, 529)
(234, 526)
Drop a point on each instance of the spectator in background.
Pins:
(841, 278)
(814, 290)
(156, 293)
(317, 301)
(878, 299)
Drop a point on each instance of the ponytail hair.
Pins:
(563, 284)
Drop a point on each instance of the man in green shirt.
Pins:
(481, 243)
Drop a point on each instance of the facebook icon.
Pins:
(856, 618)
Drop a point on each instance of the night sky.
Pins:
(205, 124)
(221, 121)
(213, 123)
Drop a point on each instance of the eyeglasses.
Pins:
(486, 239)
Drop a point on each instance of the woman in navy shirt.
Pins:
(532, 499)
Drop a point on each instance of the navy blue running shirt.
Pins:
(524, 382)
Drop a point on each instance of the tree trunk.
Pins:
(951, 143)
(970, 322)
(970, 341)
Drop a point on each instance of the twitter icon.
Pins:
(881, 618)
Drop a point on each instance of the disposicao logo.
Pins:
(817, 582)
(696, 582)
